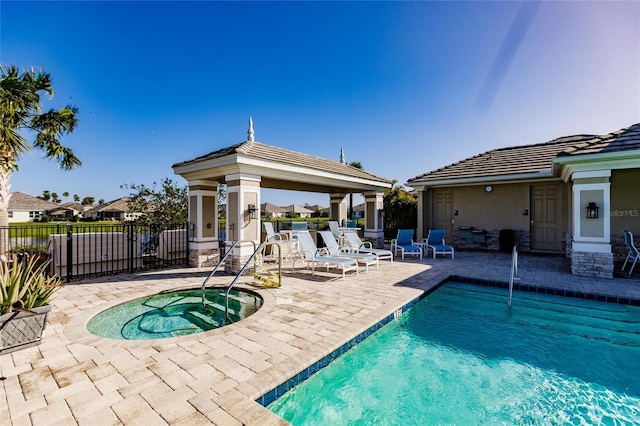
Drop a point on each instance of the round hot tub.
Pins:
(174, 313)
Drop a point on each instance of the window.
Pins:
(10, 214)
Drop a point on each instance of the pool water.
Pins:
(461, 356)
(172, 314)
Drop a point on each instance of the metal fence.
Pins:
(83, 250)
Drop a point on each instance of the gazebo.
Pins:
(248, 166)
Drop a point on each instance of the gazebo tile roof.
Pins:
(287, 157)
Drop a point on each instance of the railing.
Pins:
(514, 272)
(222, 259)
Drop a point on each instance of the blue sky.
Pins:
(403, 87)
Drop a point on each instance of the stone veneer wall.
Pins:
(492, 241)
(203, 258)
(588, 264)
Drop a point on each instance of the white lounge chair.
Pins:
(404, 243)
(360, 246)
(633, 254)
(335, 250)
(312, 255)
(435, 242)
(334, 227)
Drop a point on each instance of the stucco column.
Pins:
(591, 247)
(203, 222)
(338, 207)
(243, 217)
(373, 220)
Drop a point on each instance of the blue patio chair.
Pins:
(435, 242)
(633, 251)
(405, 244)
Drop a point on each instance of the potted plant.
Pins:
(25, 290)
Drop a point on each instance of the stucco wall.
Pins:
(502, 208)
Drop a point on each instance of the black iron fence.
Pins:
(83, 250)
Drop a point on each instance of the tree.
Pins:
(88, 201)
(165, 205)
(400, 210)
(55, 198)
(76, 198)
(20, 111)
(101, 202)
(46, 195)
(65, 194)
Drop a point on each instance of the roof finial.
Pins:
(342, 160)
(250, 131)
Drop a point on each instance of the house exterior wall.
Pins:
(507, 206)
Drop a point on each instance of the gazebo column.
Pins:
(338, 207)
(203, 222)
(373, 220)
(243, 217)
(591, 254)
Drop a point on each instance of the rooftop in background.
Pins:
(534, 159)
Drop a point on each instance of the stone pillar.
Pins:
(421, 204)
(203, 223)
(243, 218)
(338, 207)
(591, 253)
(373, 219)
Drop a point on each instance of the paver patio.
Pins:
(74, 377)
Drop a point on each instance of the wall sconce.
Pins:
(251, 210)
(592, 210)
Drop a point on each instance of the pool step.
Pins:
(207, 318)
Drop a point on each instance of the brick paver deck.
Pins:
(73, 377)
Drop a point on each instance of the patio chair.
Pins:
(288, 248)
(271, 234)
(633, 251)
(297, 226)
(334, 227)
(404, 243)
(335, 250)
(311, 255)
(356, 243)
(435, 242)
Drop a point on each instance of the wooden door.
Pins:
(443, 212)
(546, 218)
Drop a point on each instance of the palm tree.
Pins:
(20, 110)
(76, 198)
(88, 201)
(65, 194)
(46, 195)
(55, 198)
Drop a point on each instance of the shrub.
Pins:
(25, 285)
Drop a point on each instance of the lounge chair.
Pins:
(288, 248)
(335, 250)
(312, 255)
(435, 242)
(404, 243)
(334, 227)
(360, 246)
(633, 251)
(271, 234)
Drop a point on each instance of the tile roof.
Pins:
(272, 208)
(536, 158)
(118, 205)
(21, 201)
(284, 156)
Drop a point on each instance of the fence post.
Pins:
(69, 253)
(130, 240)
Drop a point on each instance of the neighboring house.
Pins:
(25, 208)
(69, 210)
(358, 211)
(117, 210)
(268, 210)
(324, 211)
(298, 211)
(573, 195)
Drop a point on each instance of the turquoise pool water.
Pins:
(172, 314)
(460, 356)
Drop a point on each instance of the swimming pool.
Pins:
(460, 356)
(174, 313)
